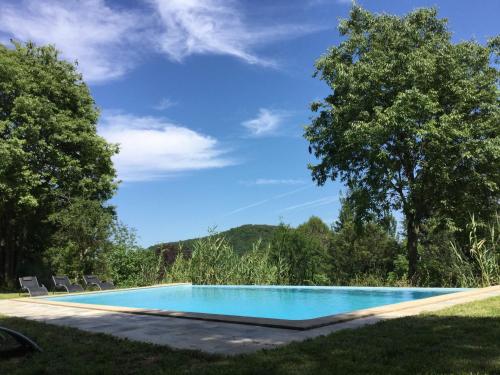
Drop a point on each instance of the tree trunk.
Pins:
(8, 266)
(411, 246)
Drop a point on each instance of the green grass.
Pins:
(19, 295)
(464, 339)
(12, 295)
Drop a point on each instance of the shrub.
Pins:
(127, 264)
(81, 238)
(300, 258)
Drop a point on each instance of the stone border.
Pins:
(269, 322)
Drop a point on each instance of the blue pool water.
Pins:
(291, 303)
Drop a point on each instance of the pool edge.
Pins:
(305, 324)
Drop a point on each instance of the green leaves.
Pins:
(412, 119)
(50, 153)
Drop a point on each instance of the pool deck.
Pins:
(216, 336)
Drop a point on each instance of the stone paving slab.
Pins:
(207, 336)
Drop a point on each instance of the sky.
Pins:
(208, 99)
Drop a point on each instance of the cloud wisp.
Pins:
(88, 31)
(264, 201)
(266, 123)
(273, 181)
(217, 27)
(106, 38)
(314, 203)
(164, 104)
(153, 148)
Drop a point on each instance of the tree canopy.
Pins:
(50, 153)
(412, 120)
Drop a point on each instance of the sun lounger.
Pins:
(94, 280)
(30, 284)
(62, 282)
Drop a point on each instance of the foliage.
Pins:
(315, 227)
(365, 250)
(436, 265)
(411, 122)
(127, 264)
(255, 267)
(81, 238)
(180, 270)
(50, 153)
(300, 257)
(213, 261)
(240, 238)
(293, 257)
(479, 264)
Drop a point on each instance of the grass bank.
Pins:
(462, 339)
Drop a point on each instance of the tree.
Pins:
(128, 264)
(361, 248)
(82, 238)
(315, 227)
(412, 121)
(300, 258)
(50, 153)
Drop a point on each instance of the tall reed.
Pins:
(479, 264)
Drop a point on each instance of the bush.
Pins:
(127, 264)
(300, 258)
(367, 248)
(435, 267)
(81, 238)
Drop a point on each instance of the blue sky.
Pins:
(208, 99)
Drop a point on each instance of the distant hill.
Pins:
(241, 238)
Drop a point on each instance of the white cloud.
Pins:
(273, 181)
(88, 31)
(107, 40)
(164, 104)
(267, 122)
(152, 148)
(216, 27)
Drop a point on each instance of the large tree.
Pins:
(50, 153)
(412, 121)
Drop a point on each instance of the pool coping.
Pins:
(304, 324)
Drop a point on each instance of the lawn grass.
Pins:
(12, 295)
(19, 295)
(464, 339)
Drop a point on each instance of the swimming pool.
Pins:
(286, 303)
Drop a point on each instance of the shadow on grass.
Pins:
(413, 345)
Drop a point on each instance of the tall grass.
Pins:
(479, 263)
(255, 267)
(214, 262)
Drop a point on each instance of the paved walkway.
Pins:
(212, 337)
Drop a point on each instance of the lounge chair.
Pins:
(94, 280)
(62, 282)
(30, 284)
(26, 344)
